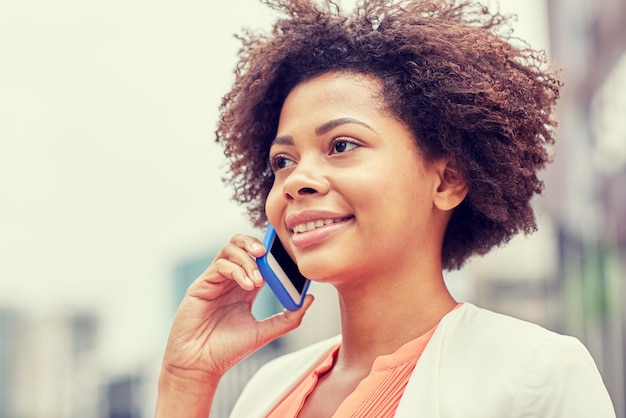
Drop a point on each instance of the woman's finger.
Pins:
(224, 269)
(234, 253)
(251, 245)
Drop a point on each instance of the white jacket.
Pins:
(478, 364)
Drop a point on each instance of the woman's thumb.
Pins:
(280, 324)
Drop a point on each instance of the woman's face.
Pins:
(351, 197)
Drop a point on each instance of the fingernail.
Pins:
(257, 276)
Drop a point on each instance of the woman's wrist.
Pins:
(186, 396)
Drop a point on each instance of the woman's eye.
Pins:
(279, 162)
(342, 145)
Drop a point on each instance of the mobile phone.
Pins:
(281, 272)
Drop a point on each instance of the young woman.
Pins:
(384, 147)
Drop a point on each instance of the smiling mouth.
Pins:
(310, 226)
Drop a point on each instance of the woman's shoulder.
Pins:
(508, 342)
(488, 328)
(523, 365)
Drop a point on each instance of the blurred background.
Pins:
(111, 201)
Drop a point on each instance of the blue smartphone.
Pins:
(281, 273)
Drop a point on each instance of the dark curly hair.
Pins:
(451, 71)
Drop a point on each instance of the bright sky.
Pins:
(106, 116)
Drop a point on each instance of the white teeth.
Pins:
(310, 226)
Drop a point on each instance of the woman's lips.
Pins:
(318, 234)
(319, 223)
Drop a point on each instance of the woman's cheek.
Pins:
(272, 210)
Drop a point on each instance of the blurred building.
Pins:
(51, 367)
(8, 332)
(588, 197)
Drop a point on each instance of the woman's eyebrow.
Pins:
(282, 140)
(321, 130)
(331, 124)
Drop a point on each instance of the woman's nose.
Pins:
(305, 180)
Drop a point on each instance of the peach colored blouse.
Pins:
(378, 395)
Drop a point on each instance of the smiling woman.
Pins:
(384, 147)
(351, 163)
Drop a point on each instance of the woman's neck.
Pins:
(379, 315)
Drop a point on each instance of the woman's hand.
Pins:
(214, 328)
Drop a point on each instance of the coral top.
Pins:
(378, 395)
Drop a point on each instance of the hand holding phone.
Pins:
(281, 273)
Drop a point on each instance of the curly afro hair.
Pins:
(450, 70)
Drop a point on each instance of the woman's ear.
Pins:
(452, 187)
